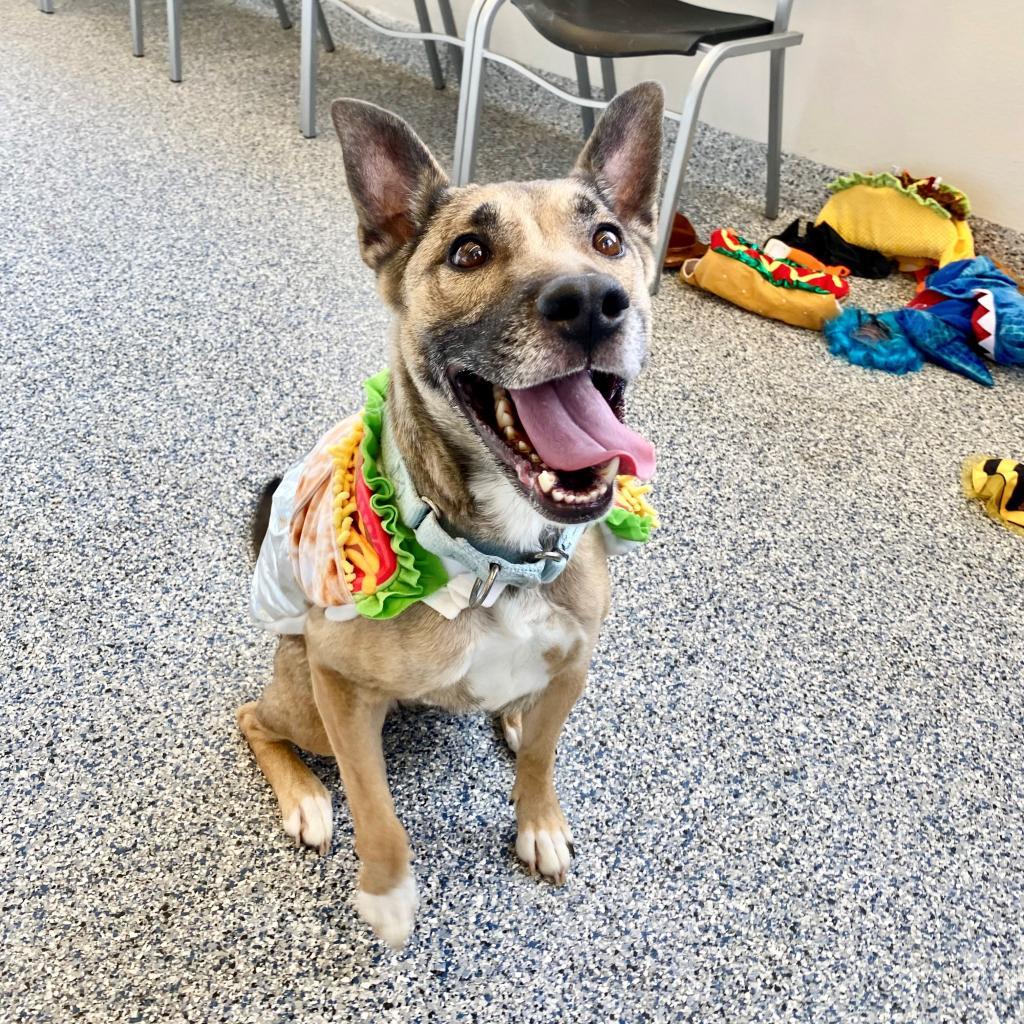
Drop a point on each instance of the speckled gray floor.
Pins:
(797, 779)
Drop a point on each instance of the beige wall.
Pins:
(936, 86)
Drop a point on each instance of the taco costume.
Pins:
(349, 533)
(918, 221)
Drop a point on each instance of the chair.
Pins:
(307, 67)
(608, 29)
(174, 30)
(134, 18)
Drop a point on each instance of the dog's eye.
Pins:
(468, 253)
(608, 243)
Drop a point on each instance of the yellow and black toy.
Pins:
(999, 483)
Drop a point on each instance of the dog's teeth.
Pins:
(535, 458)
(610, 471)
(511, 433)
(546, 481)
(523, 447)
(503, 412)
(558, 494)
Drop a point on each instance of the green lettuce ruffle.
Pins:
(628, 525)
(419, 572)
(753, 261)
(887, 180)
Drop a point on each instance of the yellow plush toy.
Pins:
(999, 483)
(917, 221)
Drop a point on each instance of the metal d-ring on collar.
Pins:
(551, 556)
(482, 588)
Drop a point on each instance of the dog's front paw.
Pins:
(390, 914)
(544, 845)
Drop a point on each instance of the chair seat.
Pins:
(635, 28)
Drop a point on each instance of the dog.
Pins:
(521, 315)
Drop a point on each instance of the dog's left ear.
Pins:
(391, 175)
(623, 154)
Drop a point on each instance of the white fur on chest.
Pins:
(507, 659)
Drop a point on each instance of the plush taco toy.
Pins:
(917, 221)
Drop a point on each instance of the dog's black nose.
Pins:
(586, 308)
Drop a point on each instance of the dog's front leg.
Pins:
(353, 719)
(544, 842)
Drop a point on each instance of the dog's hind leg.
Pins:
(512, 728)
(284, 715)
(305, 803)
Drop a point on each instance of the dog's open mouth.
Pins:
(563, 441)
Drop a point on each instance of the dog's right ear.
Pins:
(391, 175)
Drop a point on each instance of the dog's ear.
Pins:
(391, 175)
(623, 154)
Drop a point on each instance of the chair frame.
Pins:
(174, 31)
(134, 19)
(426, 35)
(478, 32)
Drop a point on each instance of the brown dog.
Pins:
(515, 305)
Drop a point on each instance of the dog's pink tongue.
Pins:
(572, 427)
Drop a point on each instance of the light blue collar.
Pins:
(490, 563)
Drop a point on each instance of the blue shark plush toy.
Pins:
(967, 308)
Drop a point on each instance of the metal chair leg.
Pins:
(135, 21)
(478, 33)
(776, 44)
(448, 21)
(282, 14)
(583, 80)
(323, 28)
(423, 16)
(307, 69)
(777, 75)
(681, 156)
(608, 78)
(174, 38)
(46, 6)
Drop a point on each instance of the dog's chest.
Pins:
(512, 651)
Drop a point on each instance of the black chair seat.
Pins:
(636, 28)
